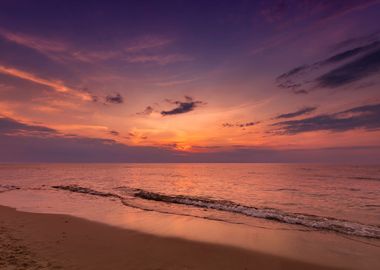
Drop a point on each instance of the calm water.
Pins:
(344, 199)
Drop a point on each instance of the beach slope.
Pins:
(50, 241)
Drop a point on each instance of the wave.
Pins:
(5, 188)
(306, 220)
(78, 189)
(365, 178)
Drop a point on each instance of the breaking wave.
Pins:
(306, 220)
(5, 188)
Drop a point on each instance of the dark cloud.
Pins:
(349, 53)
(351, 72)
(249, 124)
(182, 106)
(114, 133)
(147, 111)
(357, 41)
(364, 62)
(241, 125)
(300, 92)
(115, 99)
(290, 84)
(10, 127)
(292, 72)
(363, 117)
(94, 98)
(303, 111)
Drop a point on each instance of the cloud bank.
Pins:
(364, 117)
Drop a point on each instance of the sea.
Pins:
(337, 199)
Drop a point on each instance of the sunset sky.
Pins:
(199, 81)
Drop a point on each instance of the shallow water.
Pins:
(331, 213)
(349, 193)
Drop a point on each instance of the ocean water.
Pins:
(332, 198)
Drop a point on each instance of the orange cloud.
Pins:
(56, 50)
(53, 84)
(33, 42)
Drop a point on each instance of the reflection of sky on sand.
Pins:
(262, 236)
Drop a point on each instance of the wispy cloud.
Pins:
(161, 59)
(351, 72)
(11, 127)
(175, 82)
(356, 41)
(57, 86)
(145, 49)
(153, 49)
(307, 15)
(363, 117)
(114, 133)
(299, 112)
(350, 53)
(57, 50)
(40, 44)
(355, 64)
(148, 42)
(147, 111)
(288, 12)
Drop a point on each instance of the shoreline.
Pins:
(55, 241)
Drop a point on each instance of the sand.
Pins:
(50, 241)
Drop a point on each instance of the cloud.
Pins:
(147, 111)
(11, 127)
(20, 142)
(350, 53)
(300, 92)
(302, 111)
(161, 59)
(55, 49)
(42, 45)
(114, 133)
(363, 117)
(114, 99)
(182, 106)
(355, 64)
(357, 41)
(351, 72)
(145, 49)
(175, 82)
(150, 49)
(241, 125)
(20, 148)
(148, 43)
(292, 72)
(58, 86)
(295, 18)
(288, 12)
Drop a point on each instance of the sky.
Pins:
(190, 81)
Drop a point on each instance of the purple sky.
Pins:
(190, 81)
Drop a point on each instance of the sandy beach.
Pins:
(50, 241)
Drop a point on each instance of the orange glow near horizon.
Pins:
(188, 88)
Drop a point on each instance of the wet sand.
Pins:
(50, 241)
